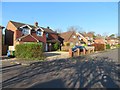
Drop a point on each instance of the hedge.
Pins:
(29, 51)
(99, 47)
(56, 46)
(107, 46)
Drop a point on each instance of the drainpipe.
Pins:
(1, 40)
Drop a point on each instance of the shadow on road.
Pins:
(71, 73)
(51, 54)
(56, 83)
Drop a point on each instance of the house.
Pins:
(89, 36)
(1, 28)
(71, 38)
(100, 40)
(112, 41)
(17, 33)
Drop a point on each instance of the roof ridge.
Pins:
(21, 23)
(67, 32)
(71, 34)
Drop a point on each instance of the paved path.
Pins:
(89, 71)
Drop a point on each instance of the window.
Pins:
(39, 33)
(26, 31)
(46, 35)
(74, 36)
(79, 37)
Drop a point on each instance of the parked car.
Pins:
(76, 47)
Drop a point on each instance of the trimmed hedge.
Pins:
(29, 51)
(108, 46)
(99, 47)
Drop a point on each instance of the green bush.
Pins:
(118, 45)
(108, 46)
(56, 46)
(66, 43)
(29, 51)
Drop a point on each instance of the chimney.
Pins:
(48, 27)
(36, 24)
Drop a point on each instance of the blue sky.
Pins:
(100, 17)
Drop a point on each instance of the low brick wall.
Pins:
(76, 53)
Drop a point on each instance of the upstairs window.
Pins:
(26, 31)
(74, 36)
(39, 33)
(46, 35)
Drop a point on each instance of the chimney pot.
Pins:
(36, 24)
(48, 27)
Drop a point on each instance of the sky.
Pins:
(100, 17)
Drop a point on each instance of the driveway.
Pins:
(56, 55)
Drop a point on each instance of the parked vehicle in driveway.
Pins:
(76, 47)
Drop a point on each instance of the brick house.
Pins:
(71, 38)
(17, 33)
(112, 41)
(100, 40)
(89, 36)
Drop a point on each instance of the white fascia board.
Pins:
(26, 25)
(41, 29)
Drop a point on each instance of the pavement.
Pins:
(9, 62)
(91, 71)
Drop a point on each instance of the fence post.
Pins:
(78, 51)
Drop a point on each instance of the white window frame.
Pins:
(38, 34)
(24, 30)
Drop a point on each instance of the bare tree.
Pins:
(105, 34)
(58, 30)
(72, 28)
(76, 29)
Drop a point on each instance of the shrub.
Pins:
(118, 45)
(29, 51)
(99, 47)
(107, 46)
(56, 46)
(66, 43)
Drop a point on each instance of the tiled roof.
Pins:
(18, 24)
(26, 37)
(1, 27)
(66, 35)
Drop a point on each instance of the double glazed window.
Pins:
(26, 31)
(39, 33)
